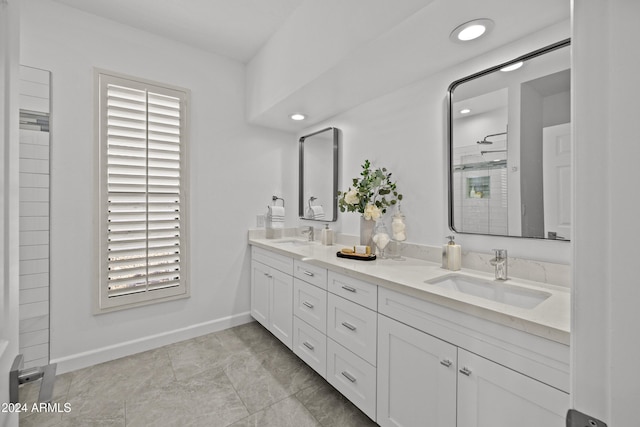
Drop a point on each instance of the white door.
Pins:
(281, 307)
(260, 284)
(490, 395)
(416, 377)
(9, 196)
(556, 153)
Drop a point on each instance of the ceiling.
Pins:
(348, 52)
(236, 29)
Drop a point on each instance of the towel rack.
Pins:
(276, 198)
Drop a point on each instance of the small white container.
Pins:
(451, 255)
(327, 235)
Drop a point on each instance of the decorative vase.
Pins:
(366, 231)
(381, 238)
(398, 235)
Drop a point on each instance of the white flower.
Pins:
(372, 212)
(351, 197)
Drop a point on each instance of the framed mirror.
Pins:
(509, 147)
(318, 175)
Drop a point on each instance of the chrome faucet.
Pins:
(500, 263)
(311, 233)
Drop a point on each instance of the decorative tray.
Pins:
(359, 257)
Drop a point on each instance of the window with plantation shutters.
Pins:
(142, 133)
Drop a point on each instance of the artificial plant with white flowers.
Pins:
(371, 194)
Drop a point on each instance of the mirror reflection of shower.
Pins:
(485, 141)
(480, 179)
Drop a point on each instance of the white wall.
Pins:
(235, 168)
(9, 197)
(315, 39)
(604, 339)
(405, 132)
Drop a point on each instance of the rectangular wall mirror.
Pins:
(510, 148)
(318, 175)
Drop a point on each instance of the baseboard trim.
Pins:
(77, 361)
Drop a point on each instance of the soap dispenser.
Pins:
(327, 235)
(451, 255)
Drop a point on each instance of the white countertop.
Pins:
(550, 319)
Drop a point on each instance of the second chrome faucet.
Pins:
(500, 263)
(311, 233)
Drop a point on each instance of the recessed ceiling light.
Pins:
(465, 111)
(512, 67)
(471, 30)
(298, 116)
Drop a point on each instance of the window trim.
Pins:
(103, 303)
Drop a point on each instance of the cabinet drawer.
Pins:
(353, 377)
(353, 326)
(310, 304)
(272, 259)
(310, 273)
(310, 345)
(355, 290)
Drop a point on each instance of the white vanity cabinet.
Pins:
(272, 293)
(406, 361)
(439, 364)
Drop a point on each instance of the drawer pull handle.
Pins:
(309, 346)
(348, 376)
(349, 326)
(445, 362)
(308, 273)
(465, 371)
(307, 304)
(348, 288)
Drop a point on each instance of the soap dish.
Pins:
(359, 257)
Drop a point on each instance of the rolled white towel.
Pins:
(275, 216)
(317, 212)
(381, 240)
(275, 211)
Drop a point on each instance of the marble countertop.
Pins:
(550, 319)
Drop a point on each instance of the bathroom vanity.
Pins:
(409, 350)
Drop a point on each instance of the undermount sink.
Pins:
(491, 290)
(294, 242)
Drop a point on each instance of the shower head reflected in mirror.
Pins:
(484, 140)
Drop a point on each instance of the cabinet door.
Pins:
(281, 307)
(416, 377)
(490, 395)
(260, 284)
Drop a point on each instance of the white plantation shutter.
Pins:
(142, 179)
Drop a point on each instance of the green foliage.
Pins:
(374, 187)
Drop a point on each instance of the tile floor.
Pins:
(238, 377)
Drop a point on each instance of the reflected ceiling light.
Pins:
(465, 111)
(512, 67)
(297, 116)
(471, 30)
